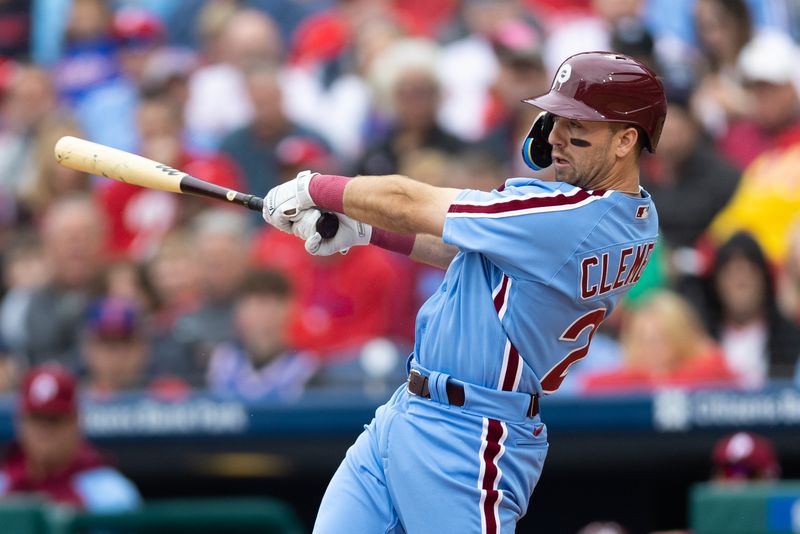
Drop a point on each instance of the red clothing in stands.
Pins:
(58, 488)
(139, 217)
(341, 301)
(744, 141)
(706, 370)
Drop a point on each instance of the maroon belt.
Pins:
(418, 385)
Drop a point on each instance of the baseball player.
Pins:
(533, 268)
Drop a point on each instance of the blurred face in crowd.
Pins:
(30, 98)
(88, 19)
(25, 268)
(266, 97)
(115, 364)
(415, 98)
(483, 18)
(65, 181)
(174, 271)
(50, 442)
(160, 127)
(614, 10)
(518, 79)
(648, 345)
(586, 151)
(125, 280)
(741, 290)
(719, 31)
(678, 137)
(222, 259)
(661, 334)
(773, 105)
(74, 240)
(250, 37)
(261, 320)
(372, 37)
(429, 166)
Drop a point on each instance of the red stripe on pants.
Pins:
(491, 474)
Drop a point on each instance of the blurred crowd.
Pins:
(132, 288)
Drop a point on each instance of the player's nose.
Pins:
(557, 135)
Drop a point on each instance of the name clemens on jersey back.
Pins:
(617, 268)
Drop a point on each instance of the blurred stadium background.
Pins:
(216, 360)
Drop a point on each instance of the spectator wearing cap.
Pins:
(259, 364)
(117, 351)
(767, 200)
(52, 458)
(742, 457)
(254, 147)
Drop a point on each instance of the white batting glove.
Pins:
(285, 203)
(351, 233)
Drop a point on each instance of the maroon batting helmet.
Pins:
(608, 87)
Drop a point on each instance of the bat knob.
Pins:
(327, 225)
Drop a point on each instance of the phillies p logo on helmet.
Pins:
(563, 75)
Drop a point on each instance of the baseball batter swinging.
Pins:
(533, 268)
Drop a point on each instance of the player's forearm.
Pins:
(394, 202)
(433, 251)
(390, 202)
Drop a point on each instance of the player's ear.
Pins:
(625, 141)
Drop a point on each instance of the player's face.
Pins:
(581, 151)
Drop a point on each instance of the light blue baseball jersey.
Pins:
(541, 264)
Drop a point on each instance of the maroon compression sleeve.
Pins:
(400, 243)
(327, 191)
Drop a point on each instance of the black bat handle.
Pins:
(327, 224)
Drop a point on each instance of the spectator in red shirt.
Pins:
(663, 344)
(342, 301)
(140, 217)
(52, 458)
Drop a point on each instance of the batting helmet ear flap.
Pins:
(536, 151)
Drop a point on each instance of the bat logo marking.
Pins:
(169, 170)
(231, 195)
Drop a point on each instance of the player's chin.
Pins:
(565, 174)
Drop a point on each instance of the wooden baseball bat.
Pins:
(94, 158)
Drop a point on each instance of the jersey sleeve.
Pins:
(528, 232)
(106, 490)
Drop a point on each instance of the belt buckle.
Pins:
(413, 376)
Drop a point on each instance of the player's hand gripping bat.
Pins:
(94, 158)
